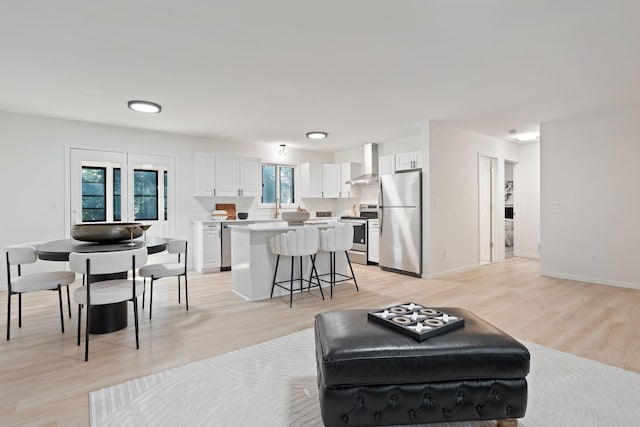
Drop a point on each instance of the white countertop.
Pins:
(281, 226)
(207, 221)
(263, 220)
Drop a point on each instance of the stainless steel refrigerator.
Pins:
(400, 217)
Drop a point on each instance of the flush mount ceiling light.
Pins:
(527, 136)
(144, 106)
(524, 136)
(316, 135)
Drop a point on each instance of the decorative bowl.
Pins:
(295, 217)
(243, 215)
(105, 232)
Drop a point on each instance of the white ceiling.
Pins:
(362, 70)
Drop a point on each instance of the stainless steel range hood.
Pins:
(370, 167)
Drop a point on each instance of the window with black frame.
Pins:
(145, 195)
(94, 194)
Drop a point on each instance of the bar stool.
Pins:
(332, 240)
(299, 243)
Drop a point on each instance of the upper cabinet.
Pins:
(327, 180)
(205, 175)
(387, 165)
(311, 180)
(227, 176)
(350, 171)
(408, 161)
(331, 180)
(250, 177)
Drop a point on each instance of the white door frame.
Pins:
(493, 208)
(517, 240)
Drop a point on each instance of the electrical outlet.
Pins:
(554, 204)
(595, 259)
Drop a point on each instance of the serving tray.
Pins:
(415, 320)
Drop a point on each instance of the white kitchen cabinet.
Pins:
(227, 184)
(408, 161)
(331, 180)
(228, 176)
(373, 241)
(387, 165)
(250, 177)
(207, 246)
(349, 171)
(328, 180)
(311, 180)
(205, 174)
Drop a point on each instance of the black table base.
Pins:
(108, 318)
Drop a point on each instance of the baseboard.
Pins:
(595, 280)
(534, 256)
(452, 271)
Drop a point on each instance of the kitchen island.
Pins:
(253, 264)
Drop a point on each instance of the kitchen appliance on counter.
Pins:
(359, 251)
(400, 219)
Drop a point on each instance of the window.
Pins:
(117, 195)
(145, 195)
(166, 188)
(94, 194)
(277, 183)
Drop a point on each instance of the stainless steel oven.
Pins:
(358, 252)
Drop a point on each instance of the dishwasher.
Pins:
(225, 243)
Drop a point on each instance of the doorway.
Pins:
(106, 186)
(509, 209)
(486, 212)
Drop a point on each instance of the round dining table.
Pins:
(109, 317)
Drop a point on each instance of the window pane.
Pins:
(286, 184)
(94, 194)
(268, 184)
(165, 195)
(117, 188)
(145, 195)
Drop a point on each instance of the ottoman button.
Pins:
(345, 418)
(412, 414)
(378, 416)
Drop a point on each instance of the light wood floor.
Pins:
(45, 381)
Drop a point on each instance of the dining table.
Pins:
(108, 317)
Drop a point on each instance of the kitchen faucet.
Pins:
(277, 207)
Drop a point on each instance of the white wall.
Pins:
(32, 172)
(590, 168)
(452, 208)
(528, 194)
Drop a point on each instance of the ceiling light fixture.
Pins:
(144, 107)
(527, 136)
(316, 135)
(283, 150)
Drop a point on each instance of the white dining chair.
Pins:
(17, 256)
(299, 243)
(162, 270)
(334, 240)
(107, 291)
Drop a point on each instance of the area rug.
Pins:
(274, 384)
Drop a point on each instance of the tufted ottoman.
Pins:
(370, 375)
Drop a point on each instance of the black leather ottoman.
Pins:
(370, 375)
